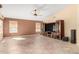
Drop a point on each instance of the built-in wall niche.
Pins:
(56, 27)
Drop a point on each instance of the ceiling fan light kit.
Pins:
(35, 13)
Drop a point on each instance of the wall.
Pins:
(78, 24)
(1, 26)
(69, 15)
(24, 27)
(1, 29)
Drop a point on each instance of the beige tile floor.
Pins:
(36, 44)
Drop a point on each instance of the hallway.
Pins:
(36, 44)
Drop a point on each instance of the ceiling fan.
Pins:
(36, 12)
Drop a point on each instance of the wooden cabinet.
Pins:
(60, 28)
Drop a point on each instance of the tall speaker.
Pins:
(73, 36)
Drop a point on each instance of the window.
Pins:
(13, 28)
(38, 27)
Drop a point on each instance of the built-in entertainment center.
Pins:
(50, 27)
(54, 29)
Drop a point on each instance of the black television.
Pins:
(49, 27)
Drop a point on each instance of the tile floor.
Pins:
(36, 44)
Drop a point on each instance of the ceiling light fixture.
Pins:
(35, 13)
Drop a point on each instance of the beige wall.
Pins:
(24, 27)
(78, 24)
(69, 15)
(1, 29)
(1, 26)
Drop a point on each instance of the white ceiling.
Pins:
(25, 11)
